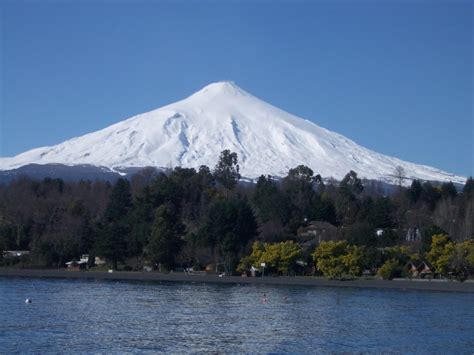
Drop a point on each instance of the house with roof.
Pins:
(420, 270)
(83, 262)
(316, 232)
(76, 265)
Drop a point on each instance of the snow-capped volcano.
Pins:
(194, 131)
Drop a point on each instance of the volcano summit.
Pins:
(194, 131)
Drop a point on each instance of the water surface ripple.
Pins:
(116, 317)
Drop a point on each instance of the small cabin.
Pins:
(412, 270)
(98, 260)
(421, 270)
(76, 265)
(424, 270)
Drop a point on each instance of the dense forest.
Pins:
(192, 218)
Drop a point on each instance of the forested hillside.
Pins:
(190, 217)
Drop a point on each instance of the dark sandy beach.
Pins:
(430, 285)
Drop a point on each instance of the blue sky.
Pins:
(396, 77)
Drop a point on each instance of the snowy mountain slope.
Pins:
(194, 131)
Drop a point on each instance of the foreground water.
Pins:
(110, 317)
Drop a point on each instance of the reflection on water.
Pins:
(92, 316)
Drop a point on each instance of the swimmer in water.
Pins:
(264, 298)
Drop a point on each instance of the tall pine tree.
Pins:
(227, 169)
(114, 227)
(165, 242)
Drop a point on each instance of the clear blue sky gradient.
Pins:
(394, 76)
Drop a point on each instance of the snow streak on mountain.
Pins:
(194, 131)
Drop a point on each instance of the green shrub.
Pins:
(390, 269)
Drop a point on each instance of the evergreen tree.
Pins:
(203, 187)
(166, 236)
(163, 189)
(141, 220)
(381, 213)
(347, 205)
(362, 234)
(301, 173)
(448, 190)
(415, 191)
(468, 189)
(182, 179)
(114, 228)
(351, 184)
(298, 189)
(204, 177)
(323, 209)
(226, 171)
(232, 221)
(120, 201)
(269, 202)
(318, 181)
(430, 195)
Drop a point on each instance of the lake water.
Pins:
(111, 317)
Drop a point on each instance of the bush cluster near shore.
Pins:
(195, 218)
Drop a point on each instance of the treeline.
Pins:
(338, 259)
(187, 217)
(341, 260)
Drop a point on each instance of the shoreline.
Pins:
(401, 284)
